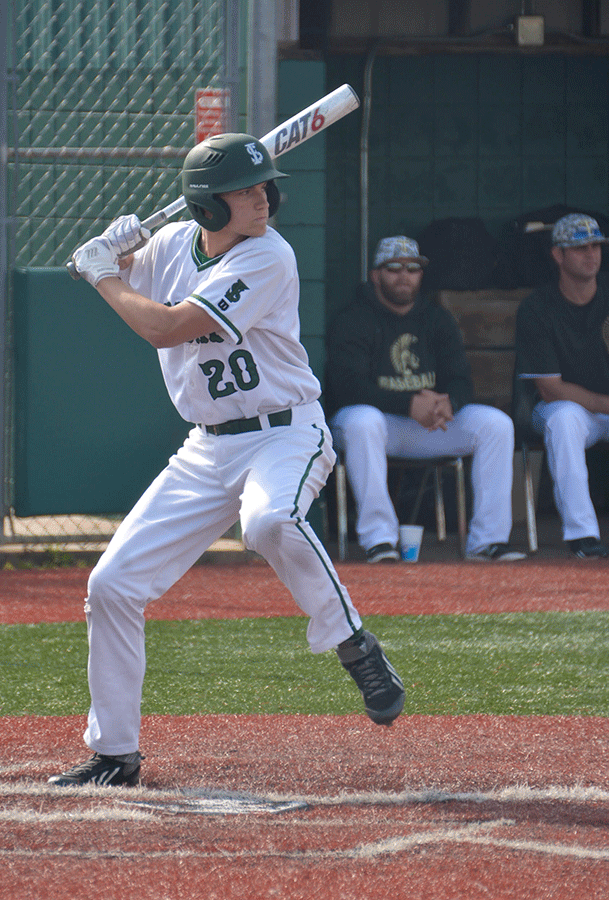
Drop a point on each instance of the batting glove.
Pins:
(126, 235)
(96, 260)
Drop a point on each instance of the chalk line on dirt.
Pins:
(519, 793)
(471, 834)
(117, 803)
(474, 833)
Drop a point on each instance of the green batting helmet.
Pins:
(226, 162)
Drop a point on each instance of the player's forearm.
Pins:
(160, 325)
(146, 318)
(551, 389)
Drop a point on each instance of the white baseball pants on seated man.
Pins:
(568, 430)
(267, 479)
(366, 436)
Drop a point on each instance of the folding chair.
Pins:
(435, 466)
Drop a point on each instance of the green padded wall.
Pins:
(301, 218)
(93, 421)
(487, 135)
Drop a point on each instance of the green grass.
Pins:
(508, 664)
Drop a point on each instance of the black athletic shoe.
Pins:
(379, 683)
(382, 553)
(496, 553)
(588, 548)
(102, 770)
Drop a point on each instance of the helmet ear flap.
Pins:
(218, 211)
(212, 216)
(272, 195)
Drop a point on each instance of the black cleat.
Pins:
(379, 683)
(588, 548)
(102, 770)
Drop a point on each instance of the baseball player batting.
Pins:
(218, 297)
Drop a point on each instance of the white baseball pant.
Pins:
(367, 436)
(568, 430)
(267, 479)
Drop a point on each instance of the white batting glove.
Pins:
(96, 260)
(126, 235)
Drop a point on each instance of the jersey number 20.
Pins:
(244, 372)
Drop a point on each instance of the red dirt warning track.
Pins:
(237, 591)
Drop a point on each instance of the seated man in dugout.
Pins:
(561, 389)
(399, 384)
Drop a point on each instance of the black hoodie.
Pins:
(377, 358)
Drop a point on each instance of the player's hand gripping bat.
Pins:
(284, 137)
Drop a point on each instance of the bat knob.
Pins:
(72, 270)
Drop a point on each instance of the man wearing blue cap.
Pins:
(399, 384)
(562, 369)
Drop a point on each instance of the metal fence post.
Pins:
(4, 232)
(262, 67)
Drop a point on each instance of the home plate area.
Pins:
(217, 803)
(314, 808)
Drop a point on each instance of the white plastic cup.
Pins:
(410, 542)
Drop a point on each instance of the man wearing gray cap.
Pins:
(562, 369)
(398, 384)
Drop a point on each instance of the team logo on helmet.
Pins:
(257, 157)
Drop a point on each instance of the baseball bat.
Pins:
(291, 133)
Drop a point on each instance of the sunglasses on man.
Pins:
(398, 266)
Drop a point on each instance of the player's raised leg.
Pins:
(288, 472)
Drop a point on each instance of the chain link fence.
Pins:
(101, 112)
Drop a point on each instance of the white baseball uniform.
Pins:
(261, 453)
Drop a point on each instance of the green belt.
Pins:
(241, 426)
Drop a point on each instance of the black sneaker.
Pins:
(588, 548)
(379, 683)
(497, 553)
(102, 770)
(382, 553)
